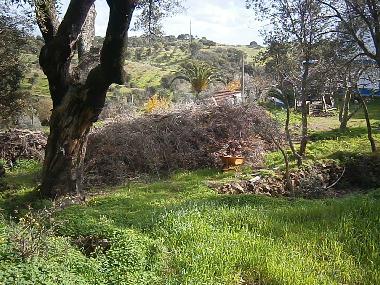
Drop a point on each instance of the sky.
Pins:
(227, 22)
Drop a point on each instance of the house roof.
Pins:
(225, 94)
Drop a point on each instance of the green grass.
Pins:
(178, 231)
(18, 191)
(326, 140)
(143, 74)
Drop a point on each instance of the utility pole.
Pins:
(242, 80)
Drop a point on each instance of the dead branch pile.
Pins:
(309, 182)
(22, 144)
(183, 139)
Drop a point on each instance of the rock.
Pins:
(255, 179)
(238, 188)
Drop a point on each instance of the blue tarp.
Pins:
(369, 92)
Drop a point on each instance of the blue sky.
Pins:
(226, 22)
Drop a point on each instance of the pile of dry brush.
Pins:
(314, 181)
(22, 144)
(183, 139)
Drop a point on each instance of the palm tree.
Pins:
(199, 74)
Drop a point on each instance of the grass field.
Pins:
(179, 231)
(326, 140)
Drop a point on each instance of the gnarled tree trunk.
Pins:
(304, 109)
(77, 100)
(63, 166)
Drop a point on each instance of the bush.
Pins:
(30, 253)
(22, 144)
(43, 108)
(156, 103)
(183, 139)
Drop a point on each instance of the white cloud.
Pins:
(222, 21)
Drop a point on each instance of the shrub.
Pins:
(132, 258)
(156, 103)
(43, 108)
(22, 144)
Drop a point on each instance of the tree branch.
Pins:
(110, 70)
(47, 19)
(350, 29)
(56, 55)
(71, 26)
(112, 54)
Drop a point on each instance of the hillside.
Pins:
(146, 63)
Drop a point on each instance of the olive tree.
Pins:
(359, 21)
(13, 37)
(78, 92)
(302, 23)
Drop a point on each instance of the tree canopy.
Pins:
(13, 33)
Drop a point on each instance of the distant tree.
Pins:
(280, 60)
(183, 37)
(13, 40)
(195, 47)
(139, 53)
(254, 44)
(226, 60)
(152, 14)
(207, 42)
(303, 23)
(170, 38)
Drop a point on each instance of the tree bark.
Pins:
(288, 182)
(345, 110)
(66, 148)
(78, 103)
(288, 135)
(368, 122)
(304, 109)
(87, 36)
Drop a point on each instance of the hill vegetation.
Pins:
(149, 67)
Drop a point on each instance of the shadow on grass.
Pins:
(19, 192)
(16, 203)
(373, 106)
(337, 133)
